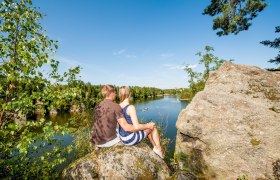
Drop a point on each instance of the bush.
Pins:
(32, 150)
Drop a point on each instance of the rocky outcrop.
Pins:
(231, 129)
(119, 162)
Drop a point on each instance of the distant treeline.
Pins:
(84, 96)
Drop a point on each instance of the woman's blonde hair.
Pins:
(107, 90)
(124, 93)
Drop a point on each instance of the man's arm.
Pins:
(123, 123)
(127, 127)
(132, 112)
(130, 128)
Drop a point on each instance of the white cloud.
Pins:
(124, 53)
(68, 62)
(120, 52)
(167, 55)
(192, 66)
(179, 67)
(174, 67)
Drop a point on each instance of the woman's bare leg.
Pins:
(151, 139)
(149, 133)
(156, 139)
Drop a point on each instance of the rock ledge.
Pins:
(119, 162)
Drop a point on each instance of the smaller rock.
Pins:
(119, 162)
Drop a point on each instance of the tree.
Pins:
(197, 80)
(210, 61)
(274, 44)
(28, 149)
(233, 16)
(24, 49)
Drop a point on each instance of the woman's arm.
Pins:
(131, 111)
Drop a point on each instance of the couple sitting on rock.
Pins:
(114, 123)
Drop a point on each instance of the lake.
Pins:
(162, 110)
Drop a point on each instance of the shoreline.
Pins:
(184, 99)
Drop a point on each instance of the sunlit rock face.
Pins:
(117, 163)
(231, 129)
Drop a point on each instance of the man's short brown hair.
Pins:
(107, 90)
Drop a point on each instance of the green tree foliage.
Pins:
(145, 92)
(185, 93)
(29, 149)
(89, 95)
(197, 80)
(171, 91)
(233, 16)
(274, 44)
(25, 48)
(196, 83)
(209, 60)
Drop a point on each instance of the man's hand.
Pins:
(151, 125)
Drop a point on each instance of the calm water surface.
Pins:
(163, 111)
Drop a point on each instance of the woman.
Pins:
(142, 130)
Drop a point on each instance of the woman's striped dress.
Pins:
(130, 138)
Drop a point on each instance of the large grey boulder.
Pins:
(231, 129)
(119, 162)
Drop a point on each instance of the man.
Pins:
(106, 116)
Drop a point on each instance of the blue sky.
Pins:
(146, 42)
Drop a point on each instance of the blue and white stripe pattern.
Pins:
(130, 138)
